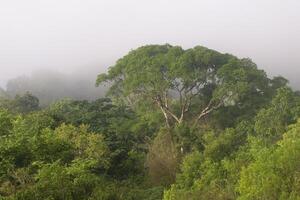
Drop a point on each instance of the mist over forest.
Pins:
(50, 86)
(149, 100)
(176, 124)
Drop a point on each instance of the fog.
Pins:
(87, 36)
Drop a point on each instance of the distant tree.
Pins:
(186, 85)
(279, 82)
(26, 103)
(21, 104)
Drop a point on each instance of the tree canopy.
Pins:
(177, 124)
(186, 85)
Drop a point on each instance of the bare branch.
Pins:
(208, 109)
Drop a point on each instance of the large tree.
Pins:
(186, 85)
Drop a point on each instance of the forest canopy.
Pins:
(176, 124)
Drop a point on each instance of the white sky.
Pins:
(72, 35)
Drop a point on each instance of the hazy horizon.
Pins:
(76, 36)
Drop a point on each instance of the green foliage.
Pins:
(26, 103)
(275, 172)
(200, 178)
(190, 170)
(43, 156)
(214, 172)
(6, 122)
(123, 132)
(21, 103)
(272, 121)
(185, 85)
(56, 181)
(237, 163)
(217, 148)
(182, 124)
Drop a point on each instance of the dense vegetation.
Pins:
(176, 125)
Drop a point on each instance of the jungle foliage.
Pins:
(176, 125)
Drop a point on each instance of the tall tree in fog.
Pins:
(186, 85)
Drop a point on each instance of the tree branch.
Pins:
(208, 109)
